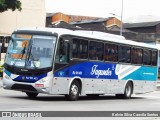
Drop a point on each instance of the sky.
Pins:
(103, 8)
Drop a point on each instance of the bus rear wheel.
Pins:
(127, 92)
(31, 94)
(74, 91)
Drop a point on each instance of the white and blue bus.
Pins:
(73, 63)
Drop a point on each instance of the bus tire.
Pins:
(74, 91)
(31, 94)
(127, 92)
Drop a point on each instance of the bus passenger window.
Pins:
(154, 58)
(128, 54)
(134, 56)
(139, 56)
(92, 51)
(75, 48)
(100, 50)
(80, 48)
(111, 52)
(84, 49)
(146, 57)
(124, 54)
(96, 50)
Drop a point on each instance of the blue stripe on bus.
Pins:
(143, 73)
(97, 70)
(89, 70)
(29, 79)
(106, 71)
(25, 78)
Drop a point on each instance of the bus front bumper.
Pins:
(36, 87)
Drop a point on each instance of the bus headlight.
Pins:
(43, 80)
(6, 77)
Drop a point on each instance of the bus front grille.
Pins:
(22, 87)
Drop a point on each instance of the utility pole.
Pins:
(121, 29)
(121, 17)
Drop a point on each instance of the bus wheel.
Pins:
(31, 94)
(127, 92)
(74, 91)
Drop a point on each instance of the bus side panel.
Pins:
(103, 78)
(144, 77)
(103, 86)
(60, 85)
(144, 86)
(88, 72)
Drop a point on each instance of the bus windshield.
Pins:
(30, 51)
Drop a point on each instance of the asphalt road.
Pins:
(14, 100)
(18, 101)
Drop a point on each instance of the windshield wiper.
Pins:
(30, 55)
(24, 44)
(22, 52)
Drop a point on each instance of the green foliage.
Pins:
(10, 4)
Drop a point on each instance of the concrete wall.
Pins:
(33, 14)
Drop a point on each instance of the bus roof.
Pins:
(91, 34)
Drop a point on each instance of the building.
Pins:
(56, 17)
(147, 32)
(144, 27)
(83, 21)
(109, 25)
(52, 18)
(33, 14)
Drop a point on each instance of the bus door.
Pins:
(61, 63)
(62, 57)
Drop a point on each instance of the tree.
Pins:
(10, 4)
